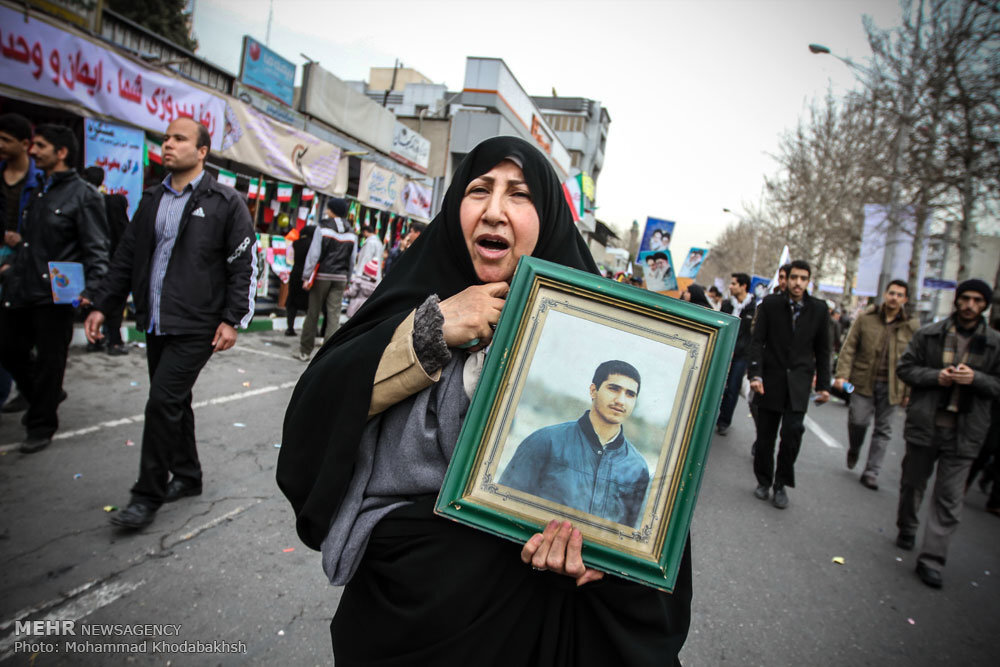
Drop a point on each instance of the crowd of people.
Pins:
(793, 347)
(362, 472)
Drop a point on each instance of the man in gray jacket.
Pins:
(953, 369)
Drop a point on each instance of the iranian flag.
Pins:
(284, 192)
(302, 216)
(254, 186)
(573, 191)
(227, 178)
(307, 194)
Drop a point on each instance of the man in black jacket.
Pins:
(116, 208)
(189, 258)
(742, 304)
(953, 369)
(325, 271)
(64, 222)
(791, 343)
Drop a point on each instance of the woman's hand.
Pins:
(473, 313)
(558, 550)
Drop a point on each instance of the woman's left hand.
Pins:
(558, 549)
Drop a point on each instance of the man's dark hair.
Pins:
(616, 367)
(801, 265)
(204, 138)
(369, 228)
(712, 289)
(785, 268)
(60, 137)
(94, 175)
(743, 279)
(899, 283)
(417, 226)
(16, 126)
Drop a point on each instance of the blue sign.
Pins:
(264, 70)
(656, 236)
(118, 151)
(935, 283)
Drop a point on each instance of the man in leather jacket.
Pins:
(63, 222)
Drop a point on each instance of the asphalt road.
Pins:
(227, 567)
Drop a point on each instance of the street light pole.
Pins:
(900, 144)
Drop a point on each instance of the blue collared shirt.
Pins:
(567, 464)
(168, 222)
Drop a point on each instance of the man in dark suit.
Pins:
(791, 343)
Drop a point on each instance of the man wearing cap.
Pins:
(953, 369)
(328, 265)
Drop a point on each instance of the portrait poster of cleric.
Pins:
(590, 424)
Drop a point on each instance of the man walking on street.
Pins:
(790, 344)
(327, 267)
(868, 360)
(741, 303)
(116, 208)
(21, 178)
(953, 369)
(371, 248)
(63, 222)
(188, 257)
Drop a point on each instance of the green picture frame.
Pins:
(557, 327)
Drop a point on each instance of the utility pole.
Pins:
(270, 19)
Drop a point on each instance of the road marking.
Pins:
(76, 609)
(135, 419)
(821, 433)
(283, 357)
(211, 524)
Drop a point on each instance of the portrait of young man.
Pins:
(588, 464)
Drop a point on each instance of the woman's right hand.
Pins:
(473, 313)
(559, 549)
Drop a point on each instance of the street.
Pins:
(228, 568)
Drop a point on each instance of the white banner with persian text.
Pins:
(40, 58)
(380, 187)
(279, 150)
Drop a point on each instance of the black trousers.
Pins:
(791, 440)
(168, 444)
(49, 329)
(113, 328)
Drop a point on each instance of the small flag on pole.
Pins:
(307, 194)
(254, 185)
(284, 192)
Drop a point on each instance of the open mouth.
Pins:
(492, 246)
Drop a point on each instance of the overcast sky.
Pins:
(698, 92)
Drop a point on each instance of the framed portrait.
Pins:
(596, 404)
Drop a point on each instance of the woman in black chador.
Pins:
(372, 425)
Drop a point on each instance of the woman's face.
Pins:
(499, 221)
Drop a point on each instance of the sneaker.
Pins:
(780, 499)
(869, 481)
(930, 577)
(905, 541)
(32, 445)
(762, 492)
(301, 356)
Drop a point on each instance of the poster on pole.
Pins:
(656, 235)
(118, 151)
(693, 262)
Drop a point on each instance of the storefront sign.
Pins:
(410, 148)
(279, 150)
(268, 105)
(42, 59)
(417, 200)
(379, 187)
(118, 151)
(329, 99)
(266, 71)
